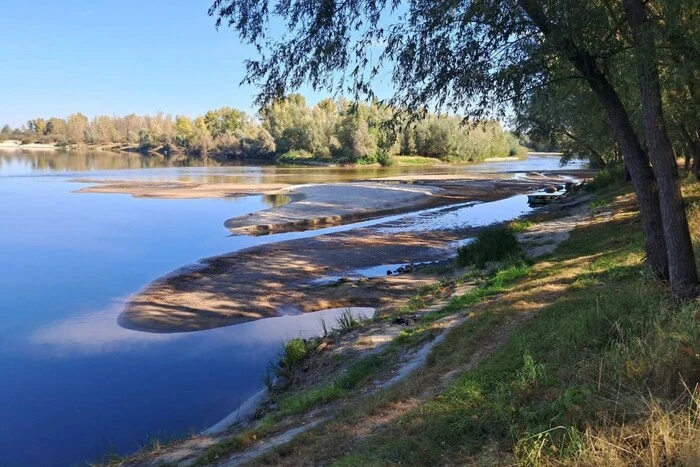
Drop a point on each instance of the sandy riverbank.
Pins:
(262, 281)
(15, 145)
(179, 190)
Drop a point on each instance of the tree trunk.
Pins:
(679, 248)
(696, 150)
(641, 175)
(635, 158)
(692, 154)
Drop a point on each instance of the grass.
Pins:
(293, 353)
(594, 364)
(595, 378)
(347, 321)
(490, 245)
(578, 359)
(611, 176)
(498, 283)
(416, 160)
(356, 374)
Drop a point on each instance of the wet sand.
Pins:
(267, 280)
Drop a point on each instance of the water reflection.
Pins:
(276, 200)
(90, 333)
(95, 332)
(79, 161)
(126, 165)
(466, 215)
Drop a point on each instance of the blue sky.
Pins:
(118, 57)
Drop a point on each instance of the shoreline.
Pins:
(401, 160)
(555, 223)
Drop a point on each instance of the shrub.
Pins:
(347, 321)
(491, 245)
(385, 159)
(606, 177)
(295, 157)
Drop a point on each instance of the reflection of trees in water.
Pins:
(276, 200)
(96, 160)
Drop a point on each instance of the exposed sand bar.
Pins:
(317, 206)
(178, 189)
(258, 282)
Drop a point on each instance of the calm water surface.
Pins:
(74, 384)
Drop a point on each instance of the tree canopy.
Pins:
(287, 129)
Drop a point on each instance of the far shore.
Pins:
(400, 160)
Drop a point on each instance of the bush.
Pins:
(491, 245)
(607, 177)
(297, 156)
(385, 159)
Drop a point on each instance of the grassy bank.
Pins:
(305, 158)
(595, 364)
(577, 358)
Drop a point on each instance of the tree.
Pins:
(289, 120)
(679, 247)
(6, 130)
(224, 120)
(567, 116)
(184, 131)
(477, 55)
(38, 126)
(76, 126)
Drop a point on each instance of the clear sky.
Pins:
(117, 57)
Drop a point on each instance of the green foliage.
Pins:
(490, 245)
(347, 321)
(289, 131)
(355, 375)
(296, 156)
(451, 139)
(299, 403)
(293, 353)
(607, 177)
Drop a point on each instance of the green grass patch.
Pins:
(498, 283)
(520, 225)
(302, 402)
(293, 353)
(490, 245)
(347, 321)
(416, 160)
(355, 375)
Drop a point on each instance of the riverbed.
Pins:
(77, 385)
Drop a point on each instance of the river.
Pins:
(76, 385)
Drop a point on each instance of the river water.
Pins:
(75, 385)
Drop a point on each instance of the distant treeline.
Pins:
(287, 130)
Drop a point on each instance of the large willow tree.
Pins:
(480, 56)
